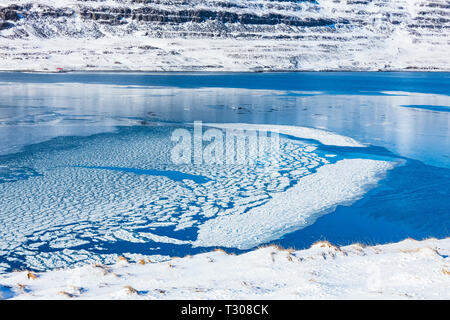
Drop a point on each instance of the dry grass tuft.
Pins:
(22, 287)
(141, 261)
(410, 250)
(67, 294)
(325, 244)
(446, 272)
(77, 290)
(131, 290)
(105, 269)
(121, 258)
(421, 249)
(290, 254)
(275, 247)
(220, 250)
(31, 275)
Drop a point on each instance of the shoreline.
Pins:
(409, 269)
(181, 72)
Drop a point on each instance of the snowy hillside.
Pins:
(406, 270)
(224, 35)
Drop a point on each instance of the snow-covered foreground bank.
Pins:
(406, 270)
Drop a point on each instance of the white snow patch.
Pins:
(324, 137)
(314, 195)
(405, 270)
(162, 239)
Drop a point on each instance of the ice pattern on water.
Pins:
(74, 212)
(12, 174)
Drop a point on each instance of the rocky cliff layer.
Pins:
(225, 34)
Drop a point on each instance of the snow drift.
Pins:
(405, 270)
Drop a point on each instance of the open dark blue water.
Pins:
(98, 134)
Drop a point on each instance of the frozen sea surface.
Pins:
(86, 173)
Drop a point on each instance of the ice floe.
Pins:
(115, 193)
(314, 195)
(325, 137)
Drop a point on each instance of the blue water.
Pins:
(412, 202)
(332, 82)
(400, 116)
(174, 175)
(431, 108)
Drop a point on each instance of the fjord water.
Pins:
(115, 127)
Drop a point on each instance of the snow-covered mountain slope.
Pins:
(225, 35)
(405, 270)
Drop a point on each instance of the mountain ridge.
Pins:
(225, 35)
